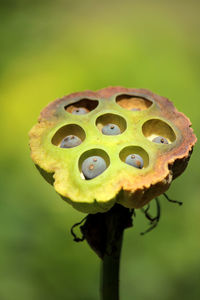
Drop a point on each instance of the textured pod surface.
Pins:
(141, 116)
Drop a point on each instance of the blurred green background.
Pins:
(52, 48)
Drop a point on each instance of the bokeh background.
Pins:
(52, 48)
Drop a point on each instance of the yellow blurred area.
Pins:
(53, 48)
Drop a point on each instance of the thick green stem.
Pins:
(104, 234)
(110, 265)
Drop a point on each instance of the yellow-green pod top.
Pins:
(142, 116)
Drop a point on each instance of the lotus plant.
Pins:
(108, 153)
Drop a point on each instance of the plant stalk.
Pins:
(110, 266)
(104, 234)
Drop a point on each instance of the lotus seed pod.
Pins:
(155, 121)
(111, 129)
(70, 141)
(93, 166)
(135, 160)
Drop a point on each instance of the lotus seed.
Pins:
(93, 166)
(160, 140)
(70, 141)
(111, 129)
(135, 160)
(79, 111)
(135, 109)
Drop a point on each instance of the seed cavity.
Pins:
(134, 102)
(93, 163)
(70, 141)
(135, 109)
(80, 111)
(134, 156)
(135, 160)
(69, 136)
(111, 124)
(111, 129)
(160, 140)
(92, 170)
(82, 106)
(158, 131)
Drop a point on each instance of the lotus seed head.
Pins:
(111, 129)
(92, 146)
(70, 141)
(135, 160)
(160, 140)
(93, 166)
(79, 111)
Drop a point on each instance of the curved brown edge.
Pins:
(49, 111)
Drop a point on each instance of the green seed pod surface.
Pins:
(141, 117)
